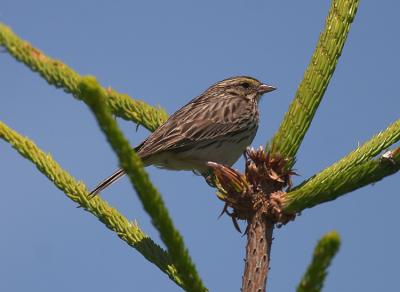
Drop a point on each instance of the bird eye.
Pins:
(245, 85)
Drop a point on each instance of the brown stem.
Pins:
(259, 239)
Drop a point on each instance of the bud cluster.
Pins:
(260, 188)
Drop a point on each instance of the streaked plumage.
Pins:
(216, 126)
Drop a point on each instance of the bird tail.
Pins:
(108, 181)
(112, 178)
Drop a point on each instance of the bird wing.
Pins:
(192, 124)
(186, 135)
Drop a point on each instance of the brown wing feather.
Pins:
(194, 123)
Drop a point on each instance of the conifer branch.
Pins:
(326, 249)
(152, 202)
(61, 76)
(309, 94)
(128, 231)
(355, 170)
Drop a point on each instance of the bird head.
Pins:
(243, 86)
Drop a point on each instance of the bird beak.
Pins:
(264, 88)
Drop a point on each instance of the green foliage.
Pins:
(76, 191)
(60, 75)
(351, 172)
(326, 249)
(92, 94)
(309, 94)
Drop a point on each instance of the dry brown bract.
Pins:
(259, 189)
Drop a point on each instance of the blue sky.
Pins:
(167, 52)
